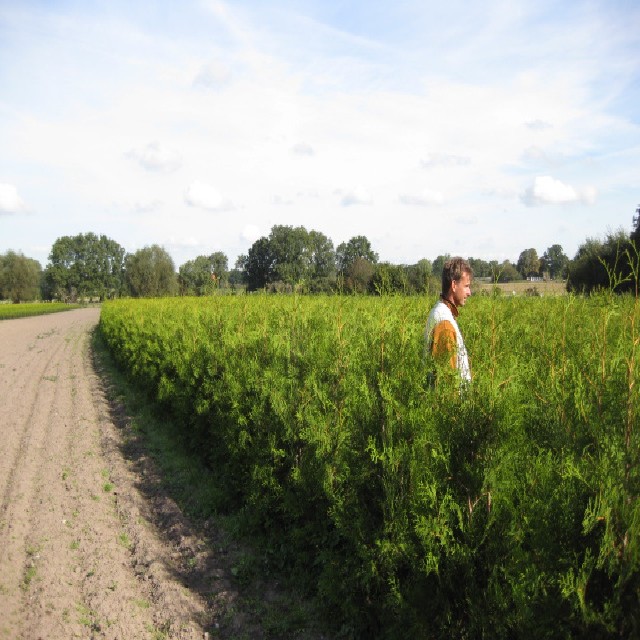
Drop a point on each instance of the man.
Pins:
(442, 334)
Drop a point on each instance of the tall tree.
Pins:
(203, 274)
(555, 262)
(150, 272)
(603, 264)
(237, 275)
(289, 255)
(348, 252)
(635, 234)
(85, 265)
(438, 265)
(528, 263)
(505, 272)
(259, 264)
(481, 268)
(389, 278)
(19, 277)
(420, 276)
(219, 267)
(322, 256)
(359, 275)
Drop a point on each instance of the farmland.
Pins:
(523, 287)
(505, 510)
(25, 310)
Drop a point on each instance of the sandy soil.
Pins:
(90, 547)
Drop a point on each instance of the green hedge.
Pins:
(507, 511)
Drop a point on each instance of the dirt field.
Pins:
(522, 287)
(88, 549)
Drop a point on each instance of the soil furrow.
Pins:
(78, 557)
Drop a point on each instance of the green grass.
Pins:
(11, 311)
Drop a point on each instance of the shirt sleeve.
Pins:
(444, 342)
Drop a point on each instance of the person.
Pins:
(443, 339)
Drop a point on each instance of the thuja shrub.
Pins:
(506, 509)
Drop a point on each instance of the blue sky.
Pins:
(472, 128)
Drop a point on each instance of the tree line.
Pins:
(88, 266)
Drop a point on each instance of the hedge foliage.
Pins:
(507, 511)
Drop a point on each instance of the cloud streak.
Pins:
(357, 196)
(549, 191)
(427, 198)
(204, 196)
(155, 157)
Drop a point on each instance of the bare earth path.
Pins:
(83, 552)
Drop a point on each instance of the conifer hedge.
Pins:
(506, 510)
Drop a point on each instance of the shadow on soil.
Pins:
(202, 552)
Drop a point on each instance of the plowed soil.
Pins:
(88, 548)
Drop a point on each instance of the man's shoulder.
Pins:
(439, 312)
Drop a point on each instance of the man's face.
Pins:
(461, 290)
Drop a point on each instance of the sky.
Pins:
(478, 128)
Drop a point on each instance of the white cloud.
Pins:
(538, 125)
(10, 201)
(589, 195)
(359, 195)
(548, 191)
(204, 196)
(155, 157)
(212, 75)
(281, 201)
(467, 220)
(146, 206)
(538, 154)
(425, 199)
(303, 149)
(444, 160)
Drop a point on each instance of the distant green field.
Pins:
(8, 311)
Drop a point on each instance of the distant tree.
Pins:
(322, 256)
(602, 264)
(438, 265)
(635, 234)
(481, 268)
(586, 270)
(290, 257)
(259, 265)
(291, 252)
(85, 265)
(348, 252)
(203, 274)
(389, 278)
(420, 276)
(150, 272)
(505, 272)
(359, 275)
(555, 262)
(528, 263)
(237, 275)
(19, 277)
